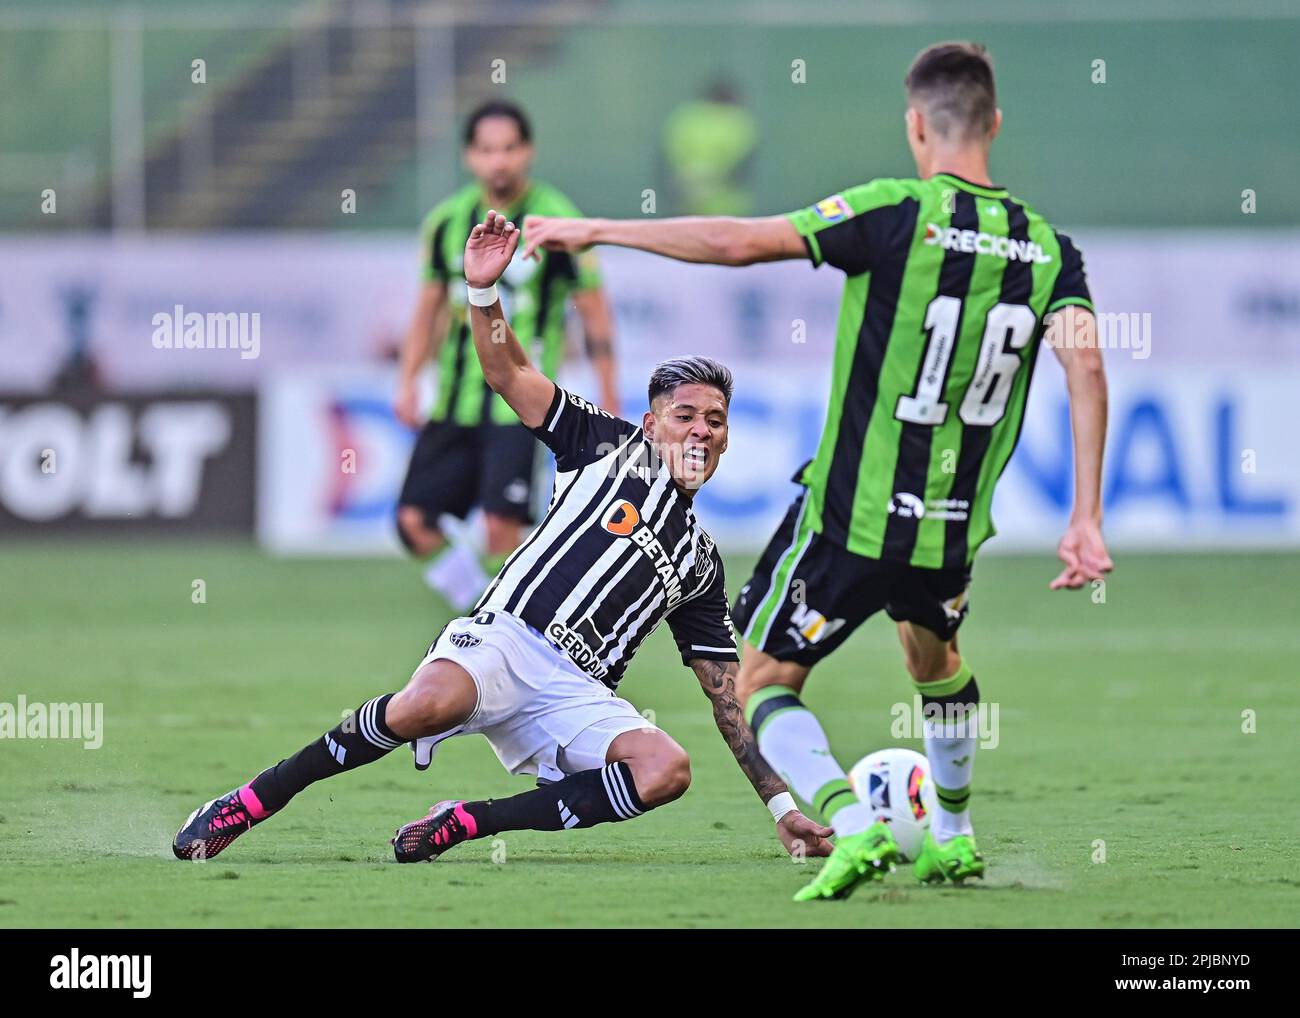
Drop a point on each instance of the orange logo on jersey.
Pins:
(621, 518)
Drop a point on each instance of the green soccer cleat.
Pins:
(858, 858)
(954, 860)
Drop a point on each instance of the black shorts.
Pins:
(808, 594)
(455, 468)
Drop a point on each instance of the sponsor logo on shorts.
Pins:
(833, 209)
(810, 627)
(956, 607)
(622, 519)
(465, 640)
(516, 492)
(578, 650)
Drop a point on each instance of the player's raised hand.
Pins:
(555, 233)
(488, 251)
(795, 829)
(1083, 551)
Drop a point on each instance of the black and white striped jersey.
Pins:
(618, 551)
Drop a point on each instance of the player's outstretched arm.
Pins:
(1082, 549)
(506, 367)
(598, 331)
(420, 343)
(718, 680)
(713, 240)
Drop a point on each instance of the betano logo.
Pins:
(975, 242)
(620, 518)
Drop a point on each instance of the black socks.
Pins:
(360, 738)
(599, 796)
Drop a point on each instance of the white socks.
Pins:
(793, 742)
(458, 577)
(951, 762)
(951, 737)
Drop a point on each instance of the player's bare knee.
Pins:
(661, 776)
(759, 670)
(932, 667)
(416, 534)
(671, 778)
(431, 702)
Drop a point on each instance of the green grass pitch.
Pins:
(1120, 722)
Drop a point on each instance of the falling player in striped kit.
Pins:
(951, 285)
(535, 668)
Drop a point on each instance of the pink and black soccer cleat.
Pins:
(214, 825)
(446, 826)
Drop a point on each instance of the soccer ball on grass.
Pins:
(895, 785)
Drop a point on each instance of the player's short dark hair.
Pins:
(669, 374)
(954, 82)
(498, 108)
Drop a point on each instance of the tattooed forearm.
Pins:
(718, 679)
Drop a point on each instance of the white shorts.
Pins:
(538, 712)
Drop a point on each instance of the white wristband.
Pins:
(482, 298)
(780, 805)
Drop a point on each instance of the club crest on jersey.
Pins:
(833, 209)
(622, 519)
(465, 640)
(588, 406)
(703, 554)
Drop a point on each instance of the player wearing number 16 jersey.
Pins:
(951, 284)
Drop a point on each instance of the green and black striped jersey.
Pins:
(939, 327)
(533, 294)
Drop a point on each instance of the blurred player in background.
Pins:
(709, 146)
(472, 450)
(535, 669)
(951, 286)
